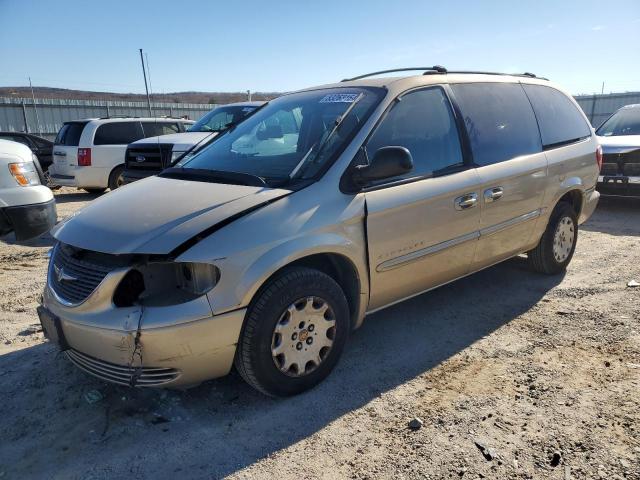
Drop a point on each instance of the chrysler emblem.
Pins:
(61, 276)
(140, 158)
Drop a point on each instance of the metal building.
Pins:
(599, 107)
(19, 114)
(47, 115)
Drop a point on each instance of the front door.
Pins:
(422, 228)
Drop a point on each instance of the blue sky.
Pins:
(285, 45)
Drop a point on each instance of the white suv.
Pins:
(89, 153)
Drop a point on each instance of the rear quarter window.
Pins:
(117, 133)
(69, 134)
(499, 121)
(559, 119)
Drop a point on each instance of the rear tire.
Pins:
(116, 178)
(94, 190)
(558, 243)
(294, 332)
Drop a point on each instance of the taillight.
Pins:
(599, 157)
(84, 157)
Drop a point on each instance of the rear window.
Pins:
(559, 119)
(69, 134)
(499, 120)
(118, 133)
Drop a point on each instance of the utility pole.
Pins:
(33, 97)
(602, 91)
(146, 87)
(249, 95)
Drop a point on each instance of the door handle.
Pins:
(60, 154)
(466, 201)
(493, 194)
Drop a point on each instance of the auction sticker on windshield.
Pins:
(340, 98)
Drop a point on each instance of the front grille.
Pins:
(121, 374)
(74, 274)
(148, 157)
(626, 164)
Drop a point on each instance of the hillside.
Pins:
(176, 97)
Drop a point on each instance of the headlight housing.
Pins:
(165, 283)
(25, 173)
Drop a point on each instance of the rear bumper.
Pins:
(81, 177)
(28, 221)
(589, 204)
(619, 186)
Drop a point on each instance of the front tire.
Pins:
(294, 332)
(558, 243)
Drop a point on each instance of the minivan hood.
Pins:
(181, 141)
(156, 215)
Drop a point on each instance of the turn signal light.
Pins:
(24, 173)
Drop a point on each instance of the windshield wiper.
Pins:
(214, 176)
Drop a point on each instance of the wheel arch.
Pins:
(574, 197)
(336, 264)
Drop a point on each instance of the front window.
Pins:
(623, 122)
(221, 118)
(293, 137)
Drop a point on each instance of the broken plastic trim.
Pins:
(137, 350)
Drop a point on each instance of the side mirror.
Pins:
(387, 162)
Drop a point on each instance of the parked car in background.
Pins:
(151, 155)
(41, 147)
(27, 207)
(89, 153)
(270, 244)
(619, 136)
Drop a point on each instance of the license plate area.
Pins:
(52, 328)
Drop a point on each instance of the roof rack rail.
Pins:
(116, 116)
(434, 69)
(471, 72)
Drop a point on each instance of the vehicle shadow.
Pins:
(224, 426)
(615, 216)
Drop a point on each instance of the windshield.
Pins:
(293, 137)
(220, 118)
(623, 122)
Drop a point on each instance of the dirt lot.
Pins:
(514, 374)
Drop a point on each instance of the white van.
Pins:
(89, 153)
(27, 208)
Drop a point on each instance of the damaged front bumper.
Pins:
(169, 346)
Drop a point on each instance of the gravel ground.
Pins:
(512, 374)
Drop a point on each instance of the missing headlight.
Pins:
(165, 283)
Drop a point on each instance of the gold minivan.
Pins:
(267, 247)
